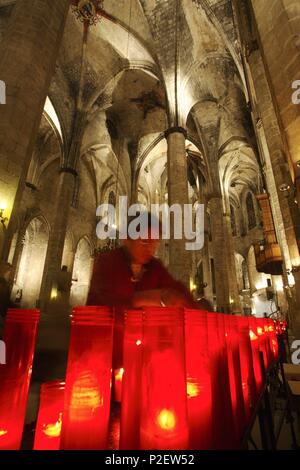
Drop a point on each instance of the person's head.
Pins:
(142, 248)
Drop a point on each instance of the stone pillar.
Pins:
(234, 298)
(273, 145)
(207, 277)
(180, 258)
(219, 254)
(28, 53)
(57, 236)
(277, 24)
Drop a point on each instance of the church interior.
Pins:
(162, 101)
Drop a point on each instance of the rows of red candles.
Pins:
(190, 380)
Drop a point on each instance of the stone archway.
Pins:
(82, 271)
(26, 288)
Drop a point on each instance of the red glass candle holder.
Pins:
(222, 419)
(263, 340)
(131, 391)
(117, 384)
(273, 340)
(19, 336)
(164, 408)
(255, 345)
(88, 380)
(49, 421)
(235, 378)
(199, 398)
(247, 370)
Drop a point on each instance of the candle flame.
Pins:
(139, 342)
(53, 430)
(252, 335)
(119, 374)
(166, 420)
(192, 389)
(3, 432)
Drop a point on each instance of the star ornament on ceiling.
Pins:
(88, 11)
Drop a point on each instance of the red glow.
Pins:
(199, 401)
(118, 378)
(131, 387)
(236, 387)
(19, 336)
(53, 429)
(193, 389)
(253, 336)
(88, 380)
(163, 381)
(255, 345)
(166, 419)
(247, 366)
(49, 422)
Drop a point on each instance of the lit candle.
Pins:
(164, 402)
(19, 336)
(199, 399)
(234, 366)
(118, 378)
(88, 380)
(247, 370)
(49, 422)
(131, 386)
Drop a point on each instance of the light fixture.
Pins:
(88, 12)
(284, 187)
(3, 207)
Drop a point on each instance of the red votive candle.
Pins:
(254, 339)
(131, 391)
(234, 366)
(199, 399)
(273, 340)
(88, 380)
(49, 422)
(19, 336)
(262, 338)
(247, 371)
(223, 426)
(117, 384)
(164, 408)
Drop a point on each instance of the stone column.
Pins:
(207, 276)
(28, 54)
(57, 235)
(180, 258)
(234, 298)
(219, 254)
(271, 138)
(277, 24)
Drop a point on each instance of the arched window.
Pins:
(232, 220)
(246, 281)
(250, 212)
